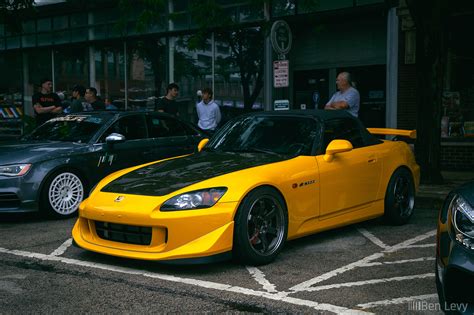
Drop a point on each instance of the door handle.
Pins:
(372, 159)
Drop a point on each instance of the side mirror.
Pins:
(113, 138)
(202, 143)
(336, 146)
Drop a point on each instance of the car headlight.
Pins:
(198, 199)
(463, 221)
(14, 170)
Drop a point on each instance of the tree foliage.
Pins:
(12, 11)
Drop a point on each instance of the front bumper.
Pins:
(455, 274)
(17, 195)
(137, 233)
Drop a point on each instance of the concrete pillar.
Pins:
(392, 70)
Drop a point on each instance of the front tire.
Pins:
(62, 194)
(399, 197)
(261, 227)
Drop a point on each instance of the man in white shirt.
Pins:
(347, 97)
(208, 112)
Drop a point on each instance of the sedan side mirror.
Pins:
(113, 138)
(202, 143)
(337, 146)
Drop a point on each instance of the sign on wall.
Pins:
(280, 73)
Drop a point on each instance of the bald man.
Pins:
(347, 98)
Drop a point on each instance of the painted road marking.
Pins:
(62, 249)
(259, 276)
(201, 283)
(371, 237)
(403, 261)
(401, 300)
(366, 282)
(306, 285)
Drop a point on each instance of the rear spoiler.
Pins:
(393, 132)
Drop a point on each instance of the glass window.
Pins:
(11, 95)
(160, 127)
(13, 42)
(71, 67)
(268, 134)
(28, 40)
(39, 67)
(191, 73)
(29, 26)
(44, 25)
(132, 127)
(67, 129)
(110, 78)
(147, 72)
(60, 22)
(283, 7)
(45, 39)
(180, 5)
(78, 19)
(239, 52)
(345, 129)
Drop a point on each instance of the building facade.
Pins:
(99, 45)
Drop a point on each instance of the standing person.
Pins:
(46, 104)
(92, 98)
(79, 103)
(208, 112)
(167, 103)
(347, 97)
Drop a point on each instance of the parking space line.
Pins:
(366, 282)
(421, 246)
(201, 283)
(62, 249)
(412, 241)
(259, 276)
(403, 261)
(401, 300)
(371, 237)
(306, 285)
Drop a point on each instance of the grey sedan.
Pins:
(54, 167)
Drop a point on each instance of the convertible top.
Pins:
(315, 113)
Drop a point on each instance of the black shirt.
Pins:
(98, 105)
(167, 105)
(45, 100)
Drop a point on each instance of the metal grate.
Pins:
(9, 200)
(130, 234)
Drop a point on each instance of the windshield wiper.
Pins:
(255, 149)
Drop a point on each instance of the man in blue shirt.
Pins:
(347, 98)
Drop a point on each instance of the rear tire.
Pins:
(399, 197)
(261, 227)
(62, 193)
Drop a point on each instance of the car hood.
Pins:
(32, 151)
(165, 177)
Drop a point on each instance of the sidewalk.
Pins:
(433, 195)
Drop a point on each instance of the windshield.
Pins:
(268, 134)
(71, 128)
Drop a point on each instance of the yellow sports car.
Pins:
(263, 179)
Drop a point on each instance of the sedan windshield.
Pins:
(268, 134)
(71, 128)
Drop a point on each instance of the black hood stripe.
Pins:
(163, 178)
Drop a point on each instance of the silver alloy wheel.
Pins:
(265, 225)
(404, 199)
(65, 193)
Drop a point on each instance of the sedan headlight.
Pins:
(463, 221)
(197, 199)
(14, 170)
